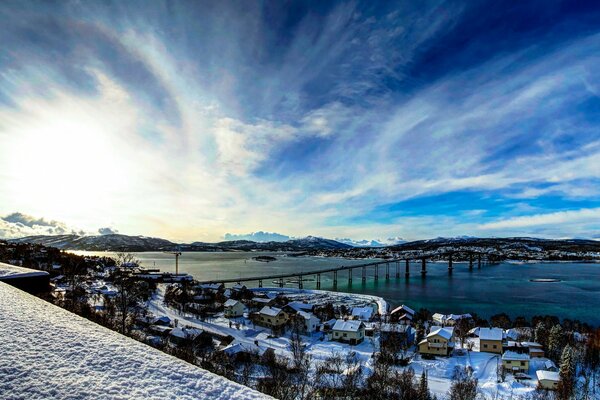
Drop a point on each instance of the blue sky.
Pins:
(362, 120)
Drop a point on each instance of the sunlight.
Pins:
(65, 159)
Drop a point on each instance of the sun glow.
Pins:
(65, 159)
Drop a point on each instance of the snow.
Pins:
(230, 303)
(446, 333)
(58, 355)
(270, 311)
(513, 356)
(8, 271)
(348, 326)
(548, 375)
(490, 334)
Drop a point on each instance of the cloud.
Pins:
(17, 225)
(259, 236)
(587, 216)
(107, 231)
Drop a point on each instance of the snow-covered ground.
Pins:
(49, 353)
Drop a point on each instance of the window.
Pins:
(522, 363)
(495, 346)
(345, 334)
(485, 346)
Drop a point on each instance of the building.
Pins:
(535, 349)
(515, 362)
(439, 342)
(352, 332)
(233, 308)
(439, 319)
(308, 322)
(272, 317)
(548, 379)
(398, 333)
(490, 340)
(362, 313)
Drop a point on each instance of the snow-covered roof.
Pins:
(547, 375)
(86, 360)
(531, 344)
(270, 311)
(348, 326)
(306, 315)
(446, 333)
(8, 271)
(230, 303)
(514, 356)
(363, 313)
(491, 334)
(297, 306)
(261, 300)
(403, 308)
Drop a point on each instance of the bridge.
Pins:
(481, 258)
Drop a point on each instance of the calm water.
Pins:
(492, 289)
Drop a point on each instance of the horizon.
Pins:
(366, 121)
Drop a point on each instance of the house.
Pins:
(535, 349)
(402, 314)
(295, 306)
(164, 321)
(362, 313)
(257, 303)
(439, 342)
(548, 379)
(515, 362)
(352, 331)
(308, 322)
(452, 319)
(399, 333)
(181, 335)
(439, 319)
(490, 340)
(233, 308)
(272, 317)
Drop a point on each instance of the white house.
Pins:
(548, 379)
(233, 308)
(310, 322)
(352, 331)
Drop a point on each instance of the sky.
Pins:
(193, 120)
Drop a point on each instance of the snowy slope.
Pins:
(50, 353)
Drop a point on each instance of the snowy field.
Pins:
(49, 353)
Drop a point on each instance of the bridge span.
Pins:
(300, 275)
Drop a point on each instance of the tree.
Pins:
(464, 385)
(501, 320)
(461, 330)
(423, 390)
(541, 334)
(556, 341)
(128, 300)
(566, 385)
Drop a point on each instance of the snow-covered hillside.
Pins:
(50, 353)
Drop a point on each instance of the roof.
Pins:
(270, 311)
(511, 355)
(349, 326)
(491, 334)
(297, 306)
(8, 271)
(230, 303)
(403, 308)
(307, 315)
(446, 333)
(87, 360)
(547, 375)
(364, 313)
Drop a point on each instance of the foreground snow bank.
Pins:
(49, 353)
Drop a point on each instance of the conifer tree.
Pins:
(555, 342)
(423, 390)
(566, 386)
(541, 334)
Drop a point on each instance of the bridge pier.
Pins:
(397, 269)
(335, 279)
(364, 274)
(423, 267)
(387, 271)
(407, 272)
(450, 267)
(318, 281)
(478, 260)
(470, 261)
(280, 282)
(300, 281)
(376, 272)
(260, 283)
(349, 276)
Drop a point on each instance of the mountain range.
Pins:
(118, 242)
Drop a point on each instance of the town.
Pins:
(295, 343)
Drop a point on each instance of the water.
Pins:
(492, 289)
